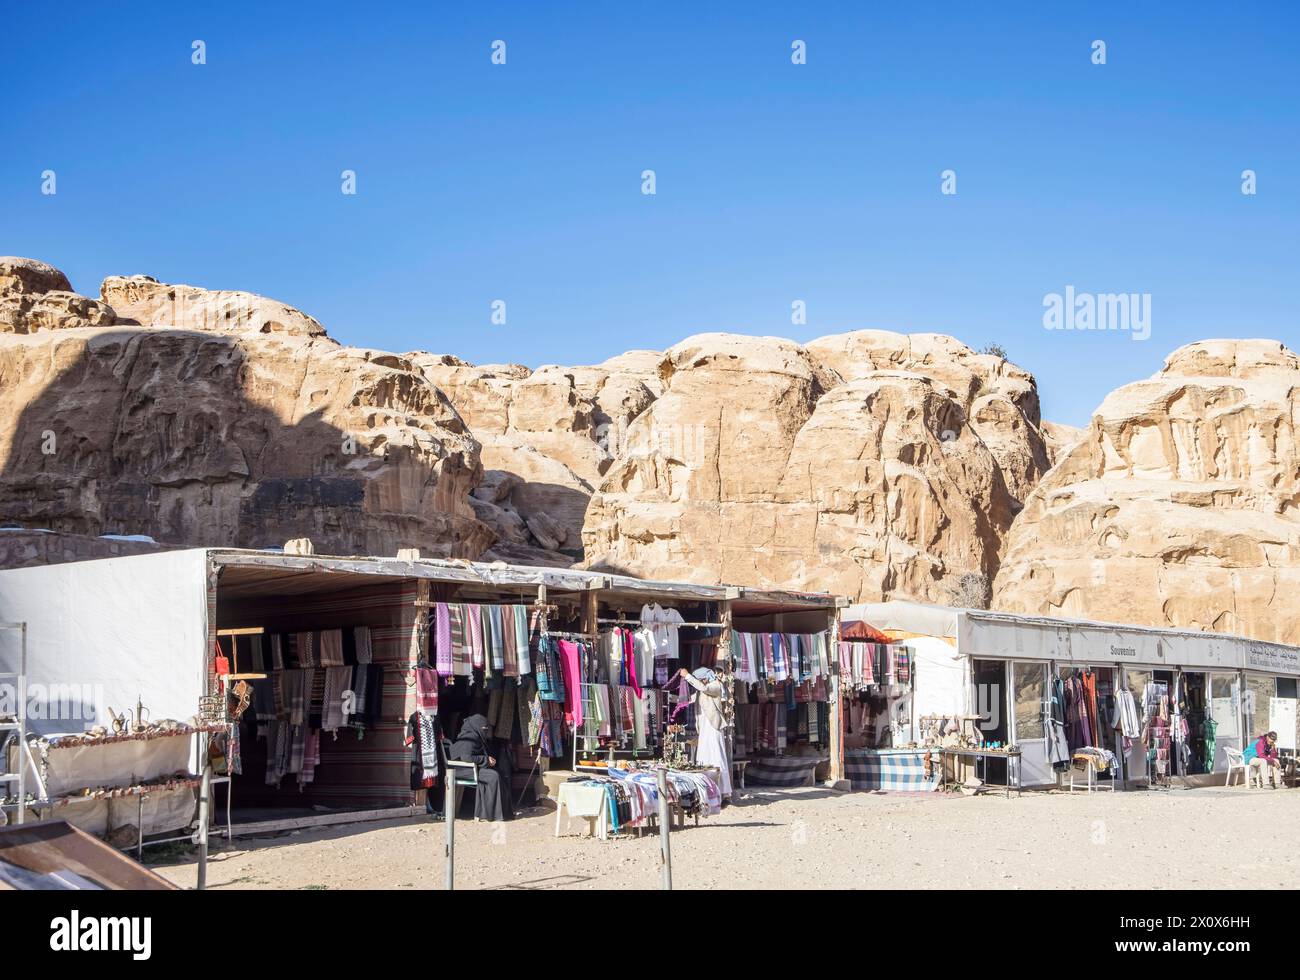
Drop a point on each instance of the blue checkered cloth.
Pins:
(895, 771)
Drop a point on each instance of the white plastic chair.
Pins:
(1236, 763)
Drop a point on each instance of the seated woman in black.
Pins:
(492, 797)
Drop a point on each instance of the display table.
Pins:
(987, 754)
(891, 770)
(588, 802)
(783, 770)
(591, 803)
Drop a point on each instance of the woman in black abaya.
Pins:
(492, 797)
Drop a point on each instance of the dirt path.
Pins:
(813, 838)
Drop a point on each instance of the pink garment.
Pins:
(629, 658)
(475, 630)
(684, 693)
(426, 689)
(572, 669)
(1262, 751)
(442, 638)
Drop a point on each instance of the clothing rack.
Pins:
(638, 623)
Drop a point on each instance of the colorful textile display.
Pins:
(780, 656)
(493, 638)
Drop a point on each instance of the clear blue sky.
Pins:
(776, 182)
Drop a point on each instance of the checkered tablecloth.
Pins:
(893, 770)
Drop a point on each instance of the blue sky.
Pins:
(775, 182)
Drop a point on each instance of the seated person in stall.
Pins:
(711, 749)
(1266, 760)
(474, 744)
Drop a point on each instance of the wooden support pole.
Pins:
(836, 694)
(726, 674)
(590, 610)
(419, 646)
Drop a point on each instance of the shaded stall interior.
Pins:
(393, 599)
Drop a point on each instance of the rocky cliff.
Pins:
(855, 464)
(1180, 504)
(246, 430)
(871, 464)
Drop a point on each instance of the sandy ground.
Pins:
(815, 838)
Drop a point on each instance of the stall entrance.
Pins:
(990, 700)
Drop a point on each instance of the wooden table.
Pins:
(989, 754)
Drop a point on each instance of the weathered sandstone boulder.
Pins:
(1180, 506)
(1059, 438)
(151, 303)
(35, 297)
(244, 435)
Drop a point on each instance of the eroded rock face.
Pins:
(242, 435)
(20, 547)
(1059, 439)
(150, 303)
(547, 437)
(998, 399)
(36, 297)
(1180, 506)
(760, 464)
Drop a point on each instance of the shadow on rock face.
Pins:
(197, 438)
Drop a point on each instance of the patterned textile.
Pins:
(426, 689)
(896, 771)
(902, 664)
(301, 648)
(510, 657)
(460, 637)
(334, 714)
(361, 640)
(277, 652)
(331, 648)
(625, 716)
(423, 738)
(310, 757)
(474, 623)
(295, 684)
(522, 648)
(442, 638)
(496, 638)
(550, 676)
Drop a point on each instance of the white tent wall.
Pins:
(943, 683)
(107, 633)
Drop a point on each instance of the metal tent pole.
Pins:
(665, 822)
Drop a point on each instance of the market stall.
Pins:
(1138, 705)
(339, 677)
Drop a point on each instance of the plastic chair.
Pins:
(1236, 763)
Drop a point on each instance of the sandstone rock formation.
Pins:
(151, 303)
(547, 438)
(248, 436)
(760, 464)
(998, 399)
(1179, 507)
(35, 297)
(20, 547)
(1059, 439)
